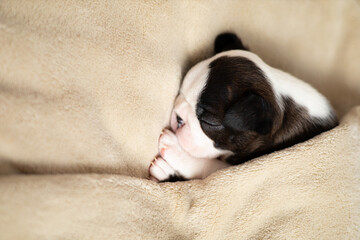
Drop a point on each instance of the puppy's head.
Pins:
(235, 104)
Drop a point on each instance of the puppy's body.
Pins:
(233, 107)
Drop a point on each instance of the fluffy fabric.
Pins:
(87, 86)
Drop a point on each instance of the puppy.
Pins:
(234, 107)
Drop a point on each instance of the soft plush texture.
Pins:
(87, 86)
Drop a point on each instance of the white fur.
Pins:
(302, 93)
(194, 82)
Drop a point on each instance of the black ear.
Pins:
(251, 113)
(228, 41)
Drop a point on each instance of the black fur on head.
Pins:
(238, 110)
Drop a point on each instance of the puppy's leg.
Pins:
(174, 162)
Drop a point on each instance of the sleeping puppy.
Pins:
(234, 107)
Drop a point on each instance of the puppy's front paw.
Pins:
(184, 165)
(170, 149)
(174, 163)
(160, 170)
(164, 167)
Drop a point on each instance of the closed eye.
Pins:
(211, 125)
(209, 121)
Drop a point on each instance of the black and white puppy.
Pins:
(233, 107)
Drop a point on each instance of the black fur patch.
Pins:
(228, 41)
(237, 107)
(250, 113)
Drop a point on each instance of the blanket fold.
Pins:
(291, 194)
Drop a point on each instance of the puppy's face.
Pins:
(225, 106)
(235, 104)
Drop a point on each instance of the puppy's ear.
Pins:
(251, 113)
(228, 41)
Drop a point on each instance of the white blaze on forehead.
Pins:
(194, 82)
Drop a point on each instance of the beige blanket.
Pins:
(87, 86)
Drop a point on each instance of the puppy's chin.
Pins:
(200, 149)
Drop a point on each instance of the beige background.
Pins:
(87, 86)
